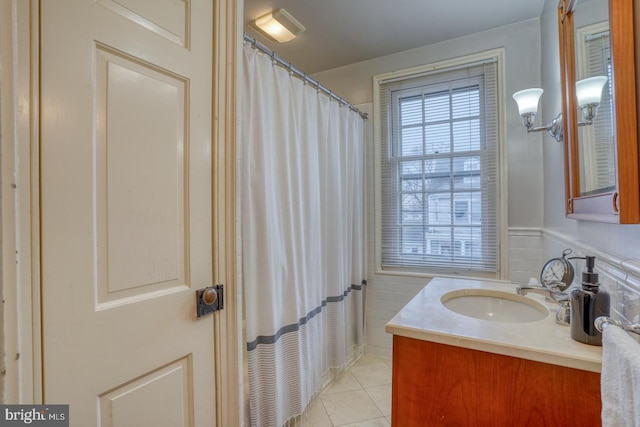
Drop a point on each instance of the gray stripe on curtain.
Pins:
(271, 339)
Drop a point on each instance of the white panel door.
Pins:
(126, 210)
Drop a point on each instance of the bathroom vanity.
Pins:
(455, 369)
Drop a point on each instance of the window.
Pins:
(438, 158)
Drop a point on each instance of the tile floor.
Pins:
(360, 397)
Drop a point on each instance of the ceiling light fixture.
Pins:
(279, 26)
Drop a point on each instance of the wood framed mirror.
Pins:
(602, 179)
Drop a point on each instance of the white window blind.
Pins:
(439, 170)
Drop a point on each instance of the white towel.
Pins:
(620, 380)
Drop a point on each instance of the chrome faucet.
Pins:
(551, 294)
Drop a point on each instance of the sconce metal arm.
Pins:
(554, 127)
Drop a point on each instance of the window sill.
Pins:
(431, 274)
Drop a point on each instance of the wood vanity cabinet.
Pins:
(436, 384)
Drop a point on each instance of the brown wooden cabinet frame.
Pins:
(623, 204)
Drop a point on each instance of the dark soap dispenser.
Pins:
(588, 302)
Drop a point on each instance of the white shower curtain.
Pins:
(303, 238)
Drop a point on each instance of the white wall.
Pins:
(387, 294)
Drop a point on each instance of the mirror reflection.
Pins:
(596, 140)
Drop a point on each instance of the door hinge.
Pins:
(209, 299)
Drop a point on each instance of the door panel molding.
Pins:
(151, 210)
(174, 26)
(170, 384)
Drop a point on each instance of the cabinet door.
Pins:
(437, 384)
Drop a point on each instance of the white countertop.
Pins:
(425, 318)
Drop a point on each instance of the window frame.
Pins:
(496, 55)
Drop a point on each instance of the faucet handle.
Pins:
(557, 286)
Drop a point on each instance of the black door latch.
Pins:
(209, 299)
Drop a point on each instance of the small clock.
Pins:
(558, 270)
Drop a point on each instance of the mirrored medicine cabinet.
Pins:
(602, 181)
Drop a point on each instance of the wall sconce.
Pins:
(279, 26)
(588, 92)
(528, 107)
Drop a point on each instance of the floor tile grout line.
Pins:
(354, 376)
(374, 401)
(361, 421)
(346, 391)
(325, 411)
(374, 359)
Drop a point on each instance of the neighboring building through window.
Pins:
(439, 173)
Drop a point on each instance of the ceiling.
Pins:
(342, 32)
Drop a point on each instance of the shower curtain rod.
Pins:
(303, 76)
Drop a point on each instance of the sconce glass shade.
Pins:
(589, 91)
(528, 100)
(279, 25)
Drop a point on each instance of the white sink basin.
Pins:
(487, 304)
